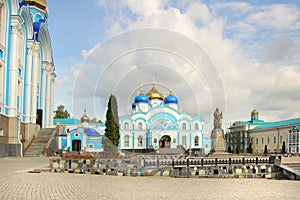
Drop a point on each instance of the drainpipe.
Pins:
(278, 138)
(19, 133)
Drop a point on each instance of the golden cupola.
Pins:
(84, 118)
(254, 112)
(153, 94)
(42, 4)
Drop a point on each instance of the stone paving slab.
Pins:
(14, 164)
(17, 183)
(78, 186)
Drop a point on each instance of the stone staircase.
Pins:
(39, 143)
(295, 166)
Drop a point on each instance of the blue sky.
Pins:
(230, 54)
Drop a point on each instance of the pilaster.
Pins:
(35, 73)
(53, 76)
(28, 81)
(13, 68)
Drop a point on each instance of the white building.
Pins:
(26, 71)
(156, 123)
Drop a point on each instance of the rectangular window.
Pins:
(274, 139)
(19, 72)
(91, 146)
(1, 132)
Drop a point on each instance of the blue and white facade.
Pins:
(26, 65)
(82, 135)
(156, 123)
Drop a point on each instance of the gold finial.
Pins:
(141, 89)
(153, 80)
(254, 105)
(171, 92)
(84, 109)
(164, 94)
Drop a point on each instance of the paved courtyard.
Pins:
(17, 183)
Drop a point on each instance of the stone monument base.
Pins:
(218, 141)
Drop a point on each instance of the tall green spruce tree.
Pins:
(111, 140)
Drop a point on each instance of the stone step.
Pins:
(38, 145)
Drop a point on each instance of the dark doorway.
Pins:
(76, 145)
(164, 141)
(39, 117)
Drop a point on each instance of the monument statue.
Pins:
(217, 134)
(218, 118)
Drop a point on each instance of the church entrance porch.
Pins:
(164, 142)
(76, 145)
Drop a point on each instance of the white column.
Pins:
(53, 76)
(48, 96)
(13, 68)
(28, 83)
(35, 73)
(44, 74)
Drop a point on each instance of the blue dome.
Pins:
(141, 99)
(133, 105)
(171, 99)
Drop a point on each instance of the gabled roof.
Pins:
(88, 131)
(91, 132)
(282, 123)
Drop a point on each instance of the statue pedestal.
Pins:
(217, 141)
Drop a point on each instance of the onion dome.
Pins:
(254, 112)
(171, 99)
(141, 98)
(84, 118)
(153, 94)
(133, 105)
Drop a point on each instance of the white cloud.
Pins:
(179, 56)
(278, 16)
(62, 80)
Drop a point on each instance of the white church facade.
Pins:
(156, 123)
(26, 72)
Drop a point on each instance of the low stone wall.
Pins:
(10, 150)
(135, 167)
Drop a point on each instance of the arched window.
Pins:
(256, 140)
(183, 140)
(184, 126)
(126, 141)
(140, 141)
(262, 140)
(126, 126)
(196, 126)
(196, 141)
(140, 126)
(155, 140)
(268, 139)
(274, 139)
(174, 140)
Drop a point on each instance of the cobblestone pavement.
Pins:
(23, 185)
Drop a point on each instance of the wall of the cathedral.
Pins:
(26, 68)
(144, 130)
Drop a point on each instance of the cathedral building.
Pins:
(156, 124)
(26, 72)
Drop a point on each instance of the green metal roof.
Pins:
(282, 123)
(66, 121)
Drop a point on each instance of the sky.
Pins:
(234, 55)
